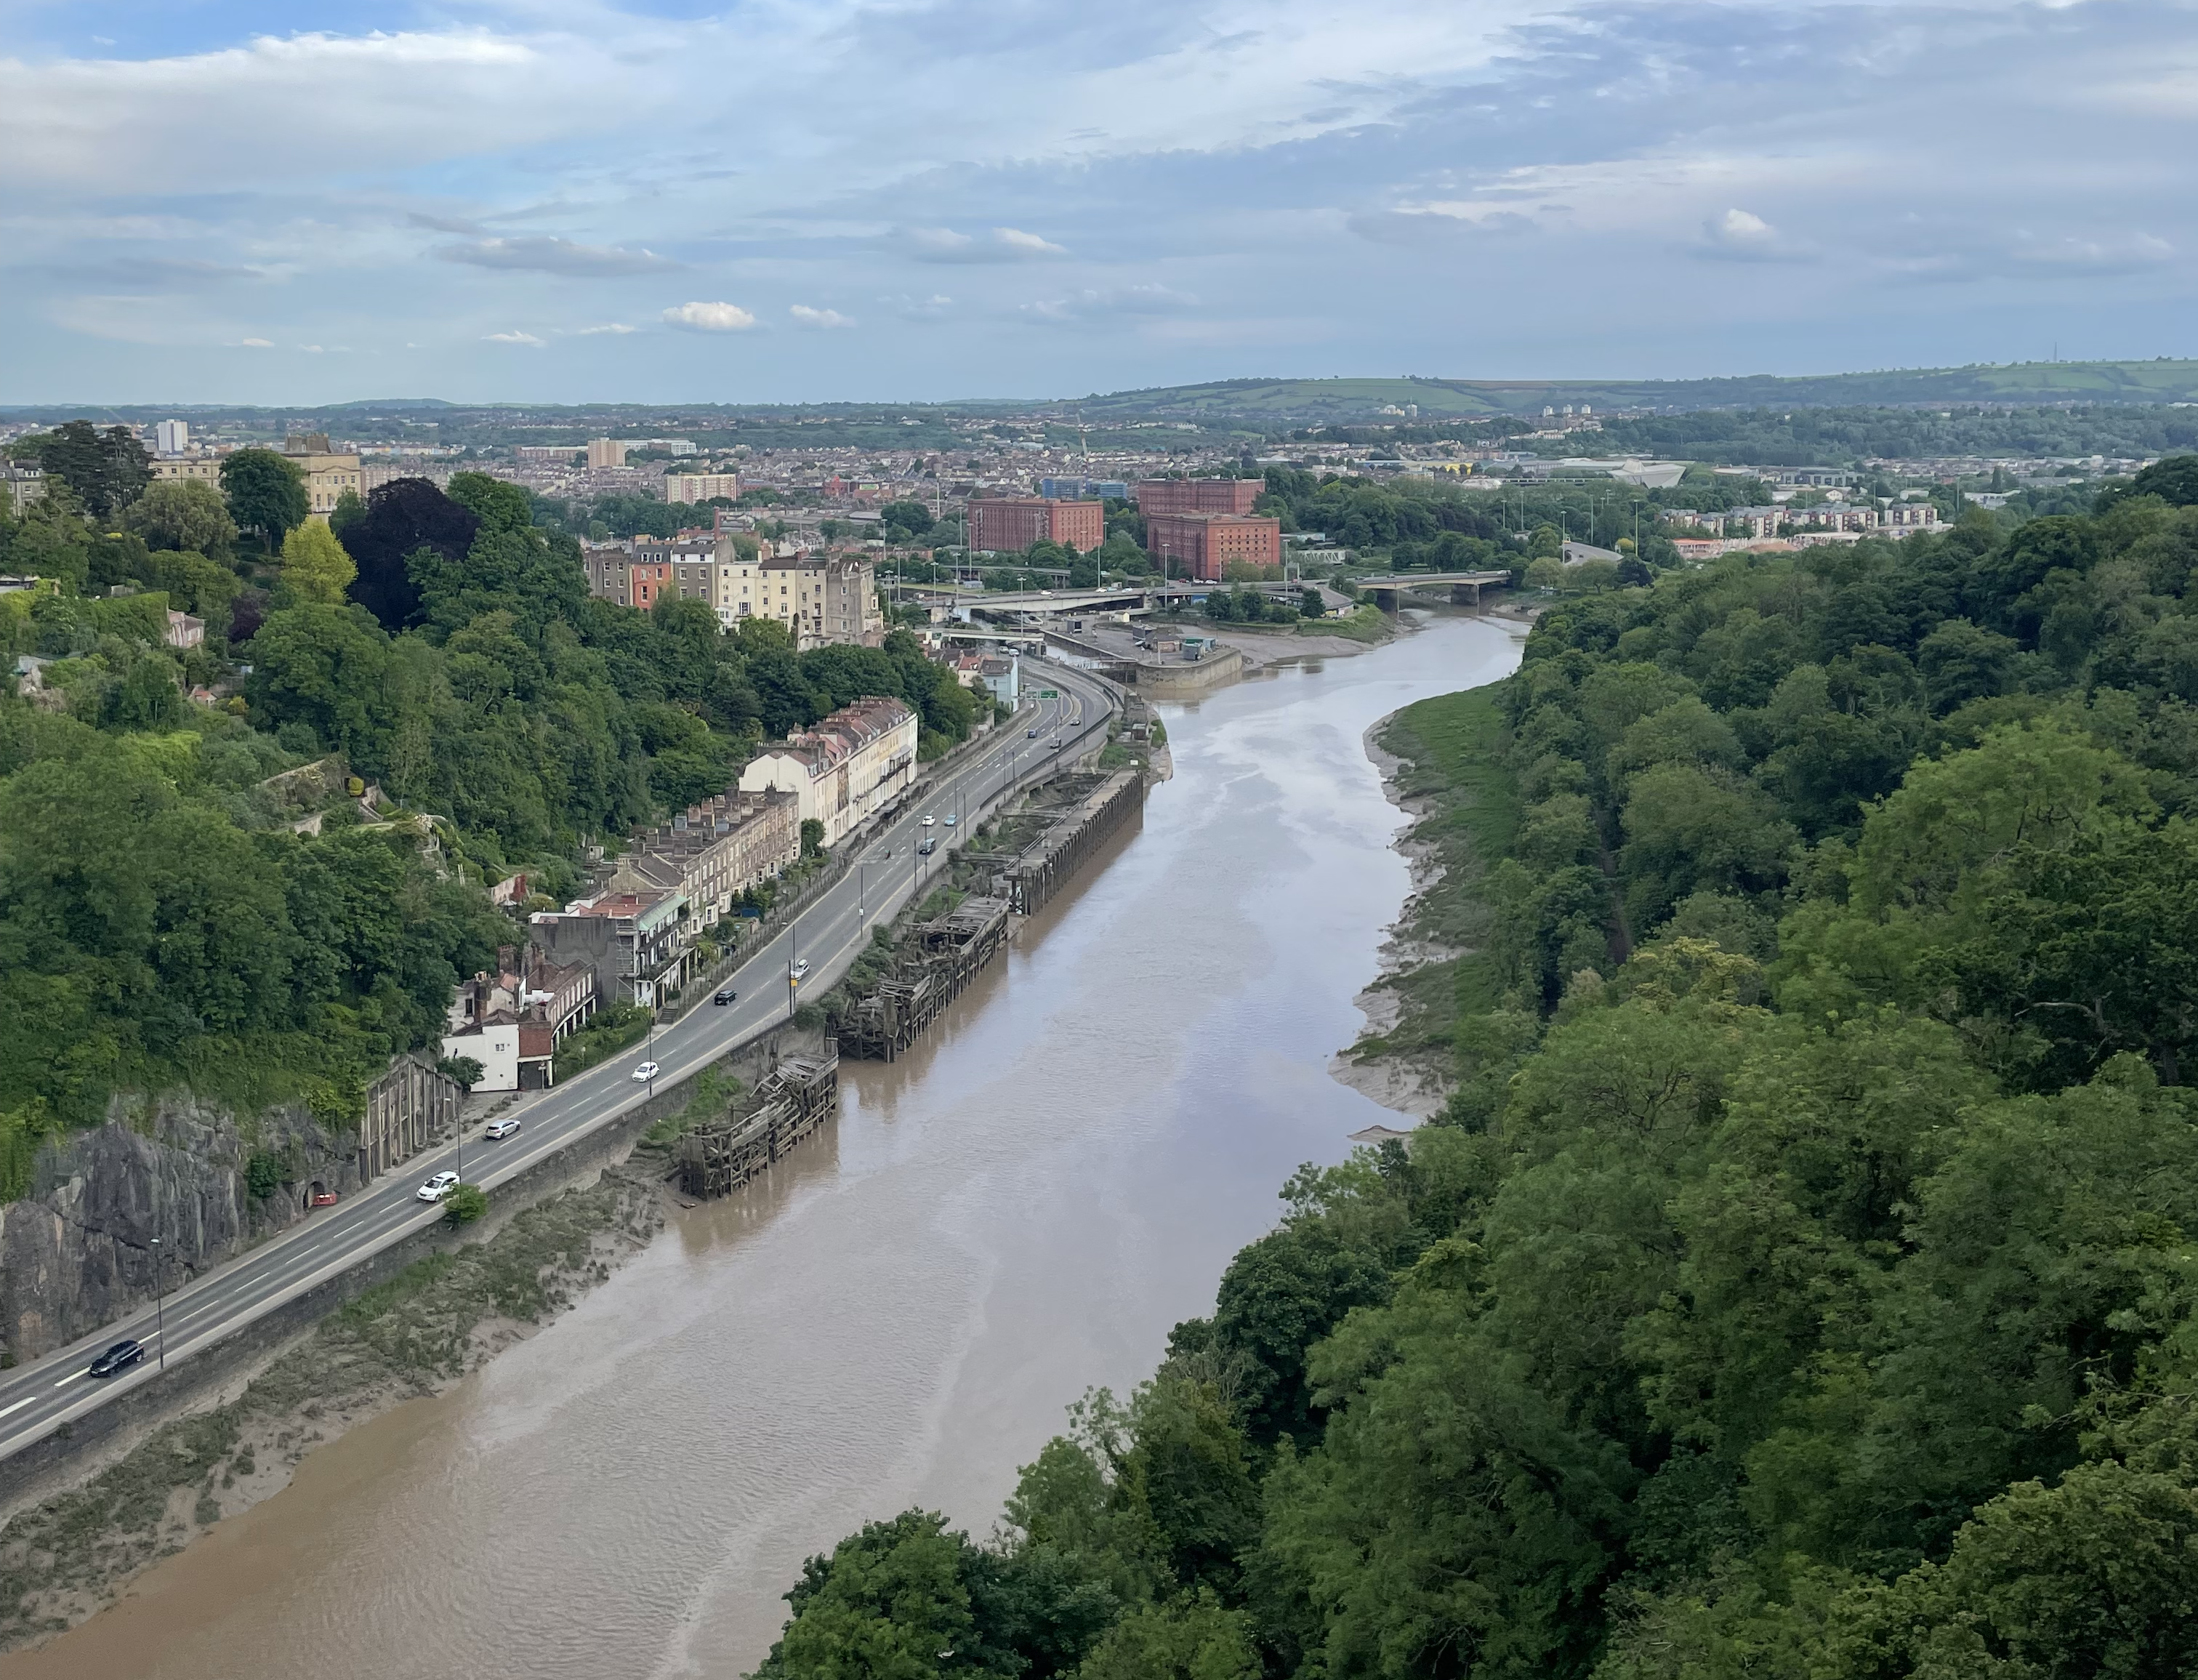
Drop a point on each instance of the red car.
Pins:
(325, 1198)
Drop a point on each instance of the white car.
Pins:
(438, 1187)
(644, 1073)
(929, 821)
(500, 1129)
(801, 968)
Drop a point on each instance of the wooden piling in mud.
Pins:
(941, 957)
(1032, 880)
(796, 1097)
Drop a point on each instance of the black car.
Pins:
(725, 994)
(119, 1357)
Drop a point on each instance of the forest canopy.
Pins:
(1797, 1282)
(167, 916)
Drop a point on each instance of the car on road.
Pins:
(929, 821)
(119, 1358)
(950, 819)
(801, 968)
(496, 1130)
(644, 1073)
(438, 1187)
(724, 994)
(927, 848)
(325, 1198)
(1030, 734)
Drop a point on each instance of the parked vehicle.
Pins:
(119, 1358)
(496, 1131)
(438, 1187)
(644, 1073)
(724, 994)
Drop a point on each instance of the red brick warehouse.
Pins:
(1008, 524)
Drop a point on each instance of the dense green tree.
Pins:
(106, 471)
(182, 514)
(326, 667)
(266, 493)
(315, 567)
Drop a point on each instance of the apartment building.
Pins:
(327, 475)
(822, 600)
(633, 941)
(203, 468)
(713, 852)
(702, 487)
(1201, 546)
(846, 769)
(1198, 495)
(1007, 524)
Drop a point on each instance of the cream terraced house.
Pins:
(327, 475)
(820, 600)
(845, 770)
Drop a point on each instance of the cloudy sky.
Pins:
(671, 199)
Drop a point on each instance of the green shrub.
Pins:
(465, 1204)
(264, 1173)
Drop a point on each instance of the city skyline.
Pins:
(576, 201)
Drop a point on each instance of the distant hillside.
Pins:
(1318, 401)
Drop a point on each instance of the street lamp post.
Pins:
(159, 1305)
(792, 962)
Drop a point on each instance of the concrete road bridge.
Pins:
(1465, 587)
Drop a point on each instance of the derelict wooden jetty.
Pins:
(1076, 834)
(937, 962)
(791, 1102)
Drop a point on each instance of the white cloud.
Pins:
(259, 344)
(702, 318)
(807, 316)
(1096, 303)
(1001, 245)
(618, 327)
(203, 121)
(1741, 235)
(513, 337)
(1410, 224)
(554, 256)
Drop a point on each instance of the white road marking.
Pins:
(18, 1406)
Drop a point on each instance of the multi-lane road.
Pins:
(37, 1398)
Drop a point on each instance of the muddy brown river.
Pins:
(1019, 1210)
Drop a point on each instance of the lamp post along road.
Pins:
(159, 1305)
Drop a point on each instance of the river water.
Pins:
(1017, 1211)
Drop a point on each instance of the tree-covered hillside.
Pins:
(187, 894)
(1800, 1282)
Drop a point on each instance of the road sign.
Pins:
(1049, 693)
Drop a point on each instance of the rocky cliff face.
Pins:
(77, 1252)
